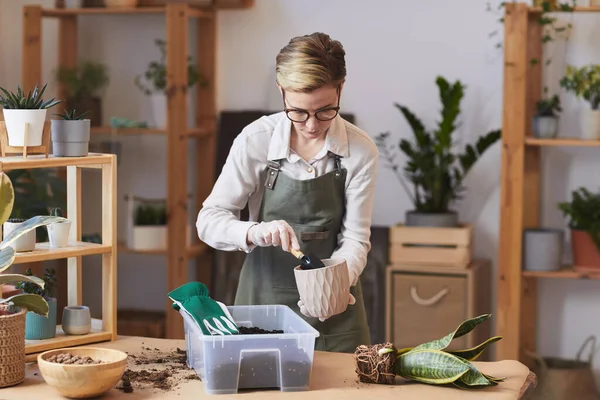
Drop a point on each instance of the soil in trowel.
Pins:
(157, 370)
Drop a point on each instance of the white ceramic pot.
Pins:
(545, 127)
(15, 126)
(25, 242)
(590, 124)
(73, 3)
(59, 233)
(158, 106)
(324, 291)
(149, 237)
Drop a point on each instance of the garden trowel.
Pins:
(309, 261)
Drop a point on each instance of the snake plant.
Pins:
(429, 362)
(31, 302)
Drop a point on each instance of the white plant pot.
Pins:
(58, 233)
(73, 3)
(324, 291)
(590, 124)
(156, 112)
(22, 244)
(149, 237)
(15, 126)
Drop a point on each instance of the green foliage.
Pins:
(150, 215)
(156, 74)
(83, 81)
(584, 82)
(49, 289)
(30, 101)
(435, 171)
(71, 116)
(56, 212)
(583, 212)
(548, 106)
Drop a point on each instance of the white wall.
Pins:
(395, 49)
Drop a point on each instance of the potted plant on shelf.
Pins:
(58, 232)
(83, 84)
(41, 327)
(25, 113)
(583, 212)
(584, 82)
(71, 135)
(14, 308)
(156, 86)
(434, 169)
(545, 120)
(25, 242)
(149, 227)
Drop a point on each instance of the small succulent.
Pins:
(29, 101)
(71, 116)
(56, 212)
(548, 107)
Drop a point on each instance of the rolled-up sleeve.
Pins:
(218, 222)
(354, 242)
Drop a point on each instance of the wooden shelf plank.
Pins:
(576, 9)
(563, 273)
(107, 130)
(63, 340)
(66, 12)
(531, 141)
(40, 161)
(44, 252)
(192, 251)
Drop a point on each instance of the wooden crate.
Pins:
(449, 247)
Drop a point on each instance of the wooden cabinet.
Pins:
(426, 303)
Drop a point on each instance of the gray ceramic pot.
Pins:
(545, 127)
(445, 220)
(542, 249)
(70, 138)
(76, 320)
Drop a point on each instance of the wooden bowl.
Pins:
(86, 380)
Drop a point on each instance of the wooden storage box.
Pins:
(427, 303)
(431, 246)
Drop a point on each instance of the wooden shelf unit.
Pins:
(177, 16)
(105, 329)
(520, 182)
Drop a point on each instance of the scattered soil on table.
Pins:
(68, 358)
(253, 330)
(373, 368)
(154, 369)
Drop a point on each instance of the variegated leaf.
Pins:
(430, 366)
(464, 328)
(475, 378)
(472, 353)
(13, 278)
(7, 197)
(7, 257)
(29, 225)
(32, 302)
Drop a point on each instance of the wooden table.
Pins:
(332, 376)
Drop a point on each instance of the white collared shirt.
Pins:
(242, 181)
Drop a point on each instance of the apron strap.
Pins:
(273, 168)
(338, 164)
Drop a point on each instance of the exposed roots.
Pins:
(374, 368)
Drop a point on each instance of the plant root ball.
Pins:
(374, 368)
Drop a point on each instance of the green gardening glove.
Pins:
(212, 316)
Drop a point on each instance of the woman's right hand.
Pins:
(273, 233)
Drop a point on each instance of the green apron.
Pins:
(315, 209)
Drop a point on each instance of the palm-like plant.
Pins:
(435, 171)
(31, 302)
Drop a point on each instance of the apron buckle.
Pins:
(272, 172)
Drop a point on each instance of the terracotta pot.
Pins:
(585, 253)
(9, 291)
(321, 288)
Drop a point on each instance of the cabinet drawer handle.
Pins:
(427, 302)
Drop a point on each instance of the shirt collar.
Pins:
(335, 142)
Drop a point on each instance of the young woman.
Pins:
(308, 177)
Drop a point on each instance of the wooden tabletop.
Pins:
(332, 375)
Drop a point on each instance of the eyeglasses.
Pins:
(299, 115)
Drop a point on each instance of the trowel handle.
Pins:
(297, 253)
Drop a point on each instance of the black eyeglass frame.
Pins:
(307, 113)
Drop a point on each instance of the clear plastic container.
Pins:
(229, 363)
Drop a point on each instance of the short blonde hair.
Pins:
(309, 62)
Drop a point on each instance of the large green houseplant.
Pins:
(583, 213)
(435, 170)
(14, 308)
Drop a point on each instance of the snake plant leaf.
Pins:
(464, 328)
(28, 225)
(13, 278)
(430, 366)
(475, 378)
(472, 353)
(7, 197)
(7, 257)
(494, 379)
(32, 302)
